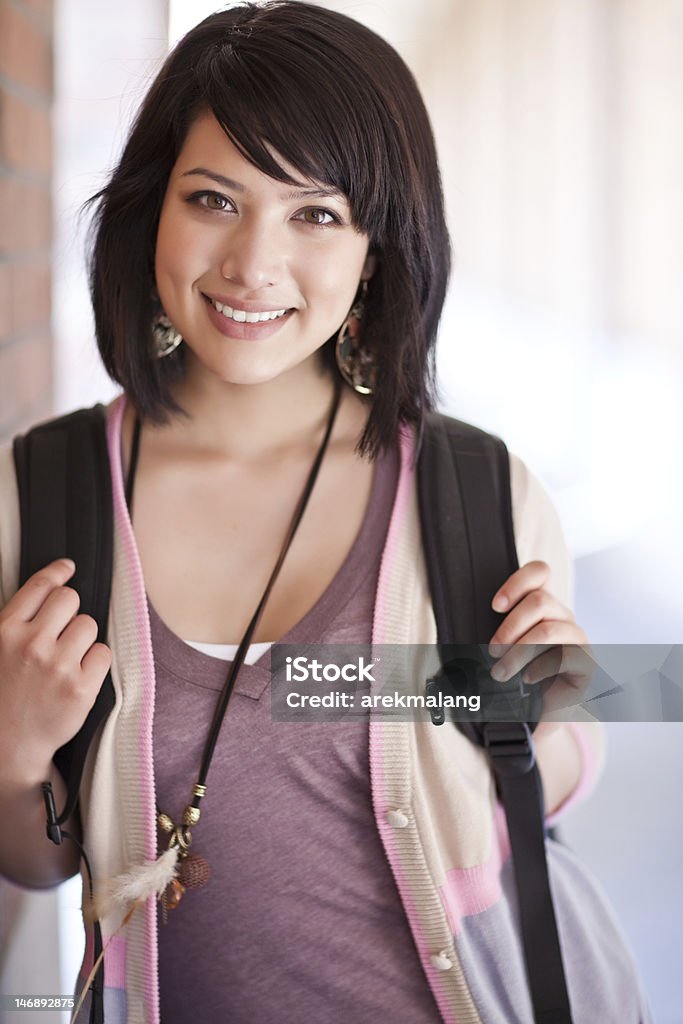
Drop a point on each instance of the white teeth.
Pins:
(241, 316)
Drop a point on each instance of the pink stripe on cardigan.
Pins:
(133, 567)
(379, 630)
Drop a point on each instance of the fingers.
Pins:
(97, 662)
(59, 608)
(75, 635)
(51, 665)
(544, 666)
(29, 599)
(531, 576)
(535, 608)
(570, 660)
(43, 617)
(77, 639)
(539, 638)
(547, 634)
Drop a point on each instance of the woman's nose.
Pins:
(254, 256)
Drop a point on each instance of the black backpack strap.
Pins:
(468, 539)
(65, 501)
(464, 484)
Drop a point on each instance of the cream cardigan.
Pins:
(433, 796)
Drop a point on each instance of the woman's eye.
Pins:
(319, 217)
(215, 201)
(211, 201)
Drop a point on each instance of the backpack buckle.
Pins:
(53, 829)
(433, 689)
(510, 746)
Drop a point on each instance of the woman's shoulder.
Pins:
(538, 529)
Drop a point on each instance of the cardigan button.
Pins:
(441, 961)
(397, 819)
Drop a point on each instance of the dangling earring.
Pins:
(355, 364)
(166, 337)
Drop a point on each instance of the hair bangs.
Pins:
(274, 109)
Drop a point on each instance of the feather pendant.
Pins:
(136, 885)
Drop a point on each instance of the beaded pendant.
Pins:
(192, 871)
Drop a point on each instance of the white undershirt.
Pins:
(227, 652)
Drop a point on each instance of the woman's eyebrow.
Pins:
(235, 186)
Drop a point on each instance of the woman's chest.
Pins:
(208, 542)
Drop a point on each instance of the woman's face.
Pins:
(256, 274)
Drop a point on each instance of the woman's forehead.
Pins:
(208, 147)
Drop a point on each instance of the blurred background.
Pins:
(559, 129)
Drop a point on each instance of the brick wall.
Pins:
(25, 235)
(25, 213)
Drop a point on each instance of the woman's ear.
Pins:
(369, 267)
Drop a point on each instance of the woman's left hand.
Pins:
(540, 638)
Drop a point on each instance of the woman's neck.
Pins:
(246, 421)
(258, 421)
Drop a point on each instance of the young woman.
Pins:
(269, 265)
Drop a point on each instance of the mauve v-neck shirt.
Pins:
(301, 919)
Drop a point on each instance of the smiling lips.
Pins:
(242, 316)
(245, 324)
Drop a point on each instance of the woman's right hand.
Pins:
(51, 668)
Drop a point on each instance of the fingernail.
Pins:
(500, 603)
(69, 563)
(499, 672)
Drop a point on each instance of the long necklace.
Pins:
(189, 870)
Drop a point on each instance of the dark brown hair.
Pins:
(336, 102)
